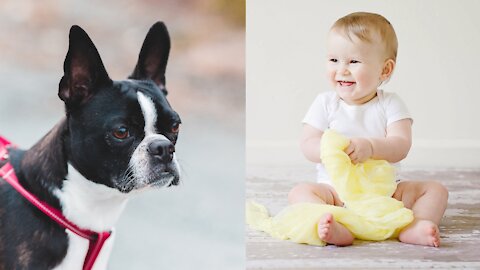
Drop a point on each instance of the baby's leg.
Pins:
(328, 229)
(315, 193)
(428, 201)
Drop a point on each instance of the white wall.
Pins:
(437, 74)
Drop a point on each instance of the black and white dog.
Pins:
(118, 138)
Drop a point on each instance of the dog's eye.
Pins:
(175, 127)
(121, 133)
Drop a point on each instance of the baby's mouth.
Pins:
(346, 83)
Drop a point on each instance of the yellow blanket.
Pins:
(365, 188)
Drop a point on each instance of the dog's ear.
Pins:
(84, 72)
(153, 57)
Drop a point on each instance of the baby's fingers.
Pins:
(353, 157)
(349, 150)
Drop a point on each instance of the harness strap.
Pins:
(96, 240)
(3, 148)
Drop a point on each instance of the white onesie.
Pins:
(368, 120)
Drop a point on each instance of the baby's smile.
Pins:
(345, 83)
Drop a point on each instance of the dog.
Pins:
(117, 139)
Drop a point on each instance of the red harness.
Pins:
(95, 239)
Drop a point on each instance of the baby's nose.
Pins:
(343, 69)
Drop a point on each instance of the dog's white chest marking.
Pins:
(90, 206)
(77, 250)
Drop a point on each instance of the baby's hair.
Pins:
(363, 25)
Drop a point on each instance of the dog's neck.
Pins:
(90, 205)
(44, 170)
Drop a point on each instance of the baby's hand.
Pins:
(359, 150)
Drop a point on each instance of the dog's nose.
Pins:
(162, 149)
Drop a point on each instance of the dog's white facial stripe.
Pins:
(140, 162)
(149, 113)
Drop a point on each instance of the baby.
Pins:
(362, 51)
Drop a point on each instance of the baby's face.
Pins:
(354, 69)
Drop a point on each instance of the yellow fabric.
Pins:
(365, 188)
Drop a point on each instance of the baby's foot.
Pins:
(421, 232)
(333, 232)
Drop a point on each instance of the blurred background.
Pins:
(198, 225)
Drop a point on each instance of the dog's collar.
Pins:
(95, 239)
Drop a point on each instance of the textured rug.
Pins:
(460, 228)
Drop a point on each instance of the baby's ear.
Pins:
(387, 70)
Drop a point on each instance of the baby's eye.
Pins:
(333, 60)
(354, 62)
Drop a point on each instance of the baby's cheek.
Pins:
(331, 77)
(367, 79)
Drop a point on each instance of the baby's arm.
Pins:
(395, 146)
(310, 143)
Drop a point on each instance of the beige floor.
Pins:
(460, 228)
